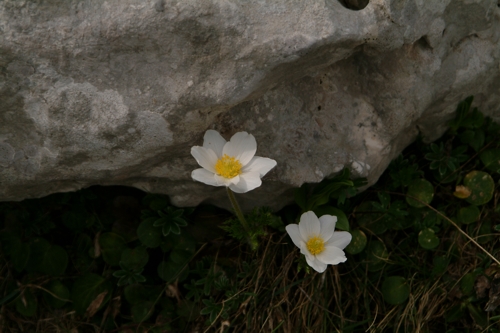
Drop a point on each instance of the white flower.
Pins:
(317, 240)
(232, 164)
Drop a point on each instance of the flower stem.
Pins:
(237, 210)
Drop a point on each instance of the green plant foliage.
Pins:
(368, 218)
(149, 235)
(428, 239)
(342, 221)
(377, 255)
(467, 283)
(358, 242)
(491, 159)
(481, 185)
(142, 311)
(85, 290)
(339, 187)
(112, 246)
(117, 259)
(258, 221)
(395, 290)
(26, 303)
(170, 221)
(468, 215)
(59, 294)
(404, 171)
(440, 264)
(135, 259)
(420, 192)
(47, 258)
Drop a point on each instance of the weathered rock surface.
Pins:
(117, 91)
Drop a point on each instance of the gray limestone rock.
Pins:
(116, 92)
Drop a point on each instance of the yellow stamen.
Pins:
(228, 167)
(315, 245)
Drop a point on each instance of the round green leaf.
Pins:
(376, 255)
(38, 251)
(112, 246)
(481, 186)
(468, 215)
(422, 190)
(358, 242)
(342, 221)
(428, 239)
(395, 290)
(26, 304)
(167, 270)
(142, 311)
(57, 288)
(491, 159)
(148, 234)
(135, 259)
(86, 289)
(55, 261)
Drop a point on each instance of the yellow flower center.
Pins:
(228, 167)
(315, 245)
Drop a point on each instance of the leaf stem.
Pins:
(237, 210)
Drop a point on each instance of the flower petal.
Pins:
(340, 239)
(262, 165)
(205, 176)
(294, 233)
(227, 181)
(248, 181)
(206, 158)
(327, 223)
(242, 146)
(213, 140)
(309, 225)
(317, 265)
(331, 255)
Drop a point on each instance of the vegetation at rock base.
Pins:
(424, 256)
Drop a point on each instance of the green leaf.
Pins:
(481, 185)
(38, 250)
(86, 289)
(468, 215)
(168, 270)
(395, 290)
(491, 159)
(422, 190)
(112, 246)
(55, 261)
(142, 311)
(180, 257)
(467, 284)
(135, 259)
(60, 291)
(478, 315)
(368, 218)
(358, 242)
(148, 234)
(428, 239)
(455, 313)
(342, 221)
(440, 265)
(47, 258)
(376, 256)
(26, 304)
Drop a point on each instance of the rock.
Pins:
(116, 92)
